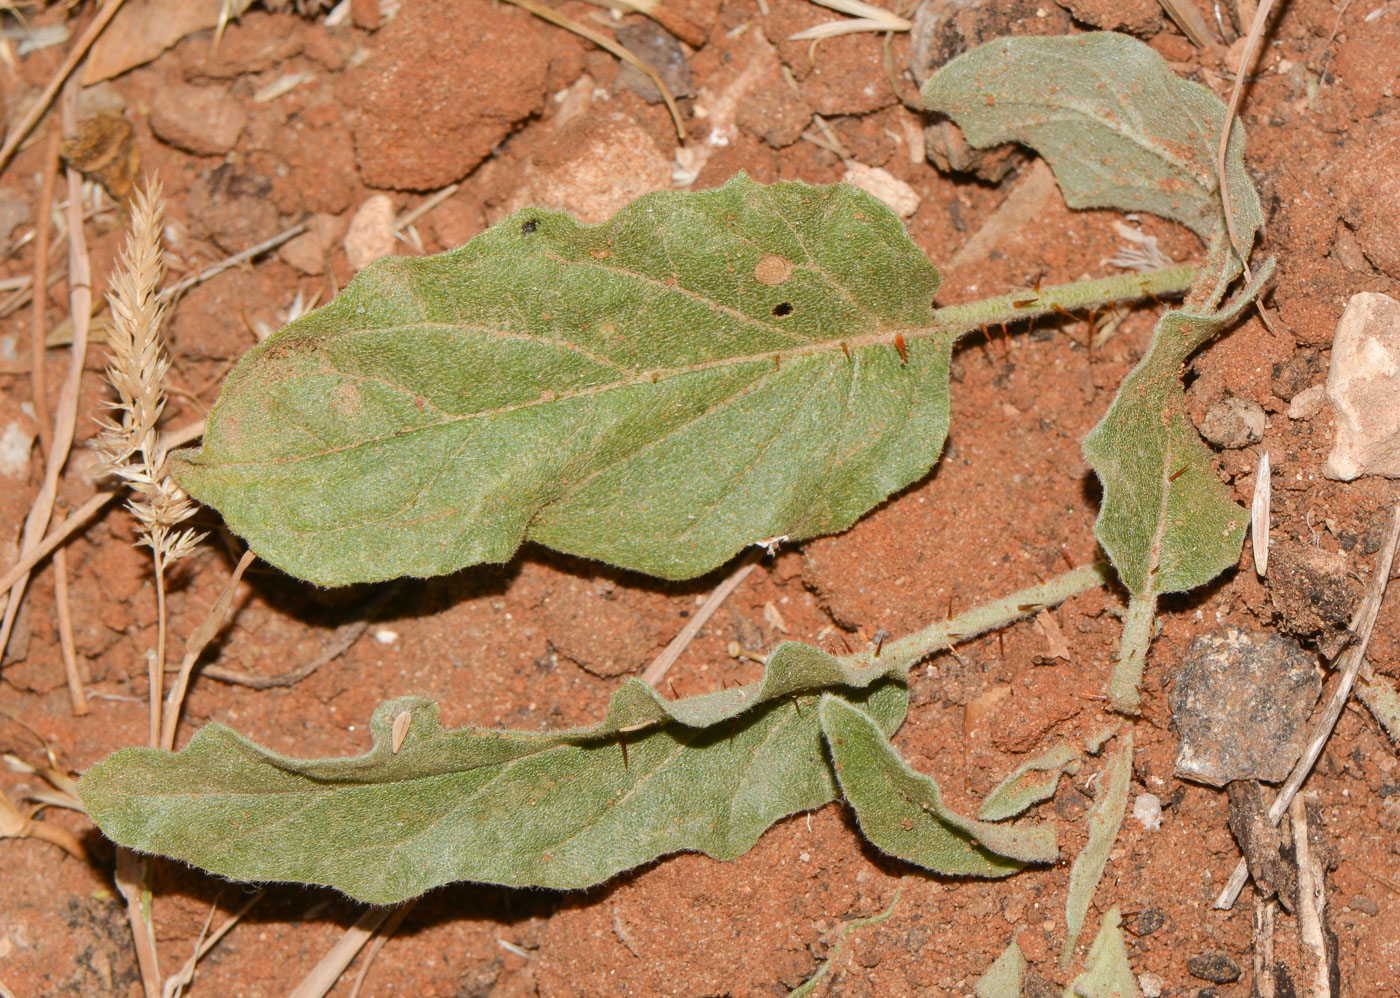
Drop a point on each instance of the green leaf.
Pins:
(1107, 972)
(1382, 701)
(1167, 522)
(1104, 820)
(1117, 126)
(655, 392)
(1030, 783)
(902, 811)
(564, 809)
(1003, 978)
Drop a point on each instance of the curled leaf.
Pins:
(1030, 783)
(902, 811)
(1104, 819)
(562, 809)
(1117, 126)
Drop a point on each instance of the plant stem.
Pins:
(158, 659)
(908, 650)
(1132, 653)
(1075, 297)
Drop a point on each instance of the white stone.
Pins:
(1151, 985)
(1363, 385)
(371, 232)
(1147, 811)
(15, 444)
(1307, 403)
(901, 198)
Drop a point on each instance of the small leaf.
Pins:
(1030, 783)
(1003, 978)
(1117, 126)
(1107, 973)
(702, 371)
(707, 773)
(1104, 820)
(1381, 700)
(902, 811)
(1167, 522)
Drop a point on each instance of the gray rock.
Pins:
(1240, 703)
(1233, 422)
(1216, 967)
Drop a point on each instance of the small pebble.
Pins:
(371, 232)
(386, 637)
(1215, 966)
(1233, 423)
(1364, 904)
(1147, 811)
(1308, 403)
(1151, 985)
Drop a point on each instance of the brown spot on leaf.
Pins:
(346, 398)
(772, 270)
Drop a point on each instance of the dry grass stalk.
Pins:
(131, 448)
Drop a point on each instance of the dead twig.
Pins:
(341, 641)
(54, 538)
(672, 651)
(131, 879)
(1312, 900)
(66, 416)
(41, 104)
(324, 975)
(1349, 666)
(390, 926)
(39, 381)
(183, 285)
(194, 647)
(608, 45)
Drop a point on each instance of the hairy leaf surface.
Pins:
(902, 811)
(1117, 126)
(699, 373)
(1167, 522)
(1107, 973)
(1003, 978)
(562, 809)
(1030, 783)
(1104, 819)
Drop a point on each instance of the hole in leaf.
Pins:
(528, 227)
(783, 308)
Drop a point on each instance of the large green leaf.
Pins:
(902, 811)
(701, 372)
(1117, 126)
(563, 809)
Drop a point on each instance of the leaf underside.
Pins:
(701, 372)
(1117, 126)
(563, 809)
(902, 811)
(1107, 973)
(1029, 784)
(1167, 522)
(1104, 819)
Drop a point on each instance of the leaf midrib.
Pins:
(652, 376)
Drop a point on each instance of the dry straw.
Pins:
(130, 445)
